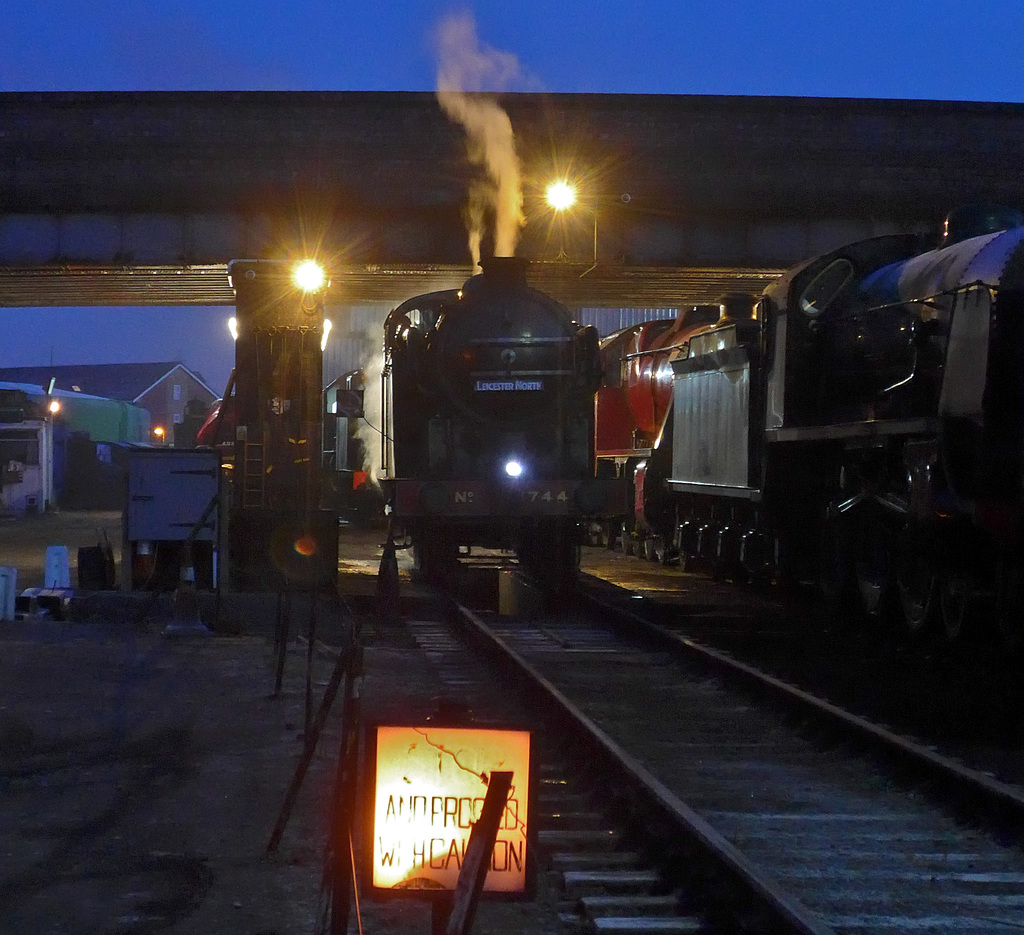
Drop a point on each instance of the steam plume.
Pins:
(467, 69)
(370, 428)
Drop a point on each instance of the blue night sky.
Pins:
(940, 49)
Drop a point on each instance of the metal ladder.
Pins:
(254, 485)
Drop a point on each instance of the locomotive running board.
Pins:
(718, 490)
(924, 425)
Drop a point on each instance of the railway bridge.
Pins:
(143, 198)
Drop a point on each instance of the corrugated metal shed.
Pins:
(609, 320)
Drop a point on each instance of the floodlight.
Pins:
(561, 195)
(309, 276)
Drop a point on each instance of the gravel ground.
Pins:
(24, 540)
(141, 775)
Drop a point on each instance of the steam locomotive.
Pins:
(488, 410)
(634, 425)
(862, 428)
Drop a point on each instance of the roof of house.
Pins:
(36, 392)
(126, 382)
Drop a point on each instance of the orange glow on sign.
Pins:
(428, 793)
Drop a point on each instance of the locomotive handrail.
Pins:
(657, 350)
(520, 340)
(521, 373)
(932, 300)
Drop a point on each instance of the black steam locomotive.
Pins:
(863, 428)
(489, 425)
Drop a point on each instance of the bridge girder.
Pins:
(143, 198)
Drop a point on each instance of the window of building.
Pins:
(177, 417)
(22, 447)
(177, 391)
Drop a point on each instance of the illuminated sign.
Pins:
(429, 790)
(504, 386)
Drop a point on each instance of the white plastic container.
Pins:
(8, 589)
(58, 571)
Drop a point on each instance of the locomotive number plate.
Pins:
(475, 498)
(546, 495)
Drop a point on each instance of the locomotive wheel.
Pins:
(1009, 616)
(665, 553)
(955, 604)
(917, 582)
(873, 564)
(836, 582)
(435, 562)
(550, 557)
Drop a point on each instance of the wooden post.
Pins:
(344, 799)
(281, 627)
(478, 855)
(310, 743)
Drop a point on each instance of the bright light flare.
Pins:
(54, 406)
(513, 468)
(323, 338)
(560, 195)
(233, 327)
(309, 276)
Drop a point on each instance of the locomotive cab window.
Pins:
(822, 291)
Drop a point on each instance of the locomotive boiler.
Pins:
(488, 403)
(863, 428)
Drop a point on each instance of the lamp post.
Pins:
(279, 335)
(561, 195)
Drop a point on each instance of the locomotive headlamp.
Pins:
(309, 276)
(513, 467)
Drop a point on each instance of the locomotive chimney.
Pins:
(736, 306)
(505, 272)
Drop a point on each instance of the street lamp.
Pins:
(561, 195)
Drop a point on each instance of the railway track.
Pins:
(688, 793)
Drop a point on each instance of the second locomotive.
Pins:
(488, 405)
